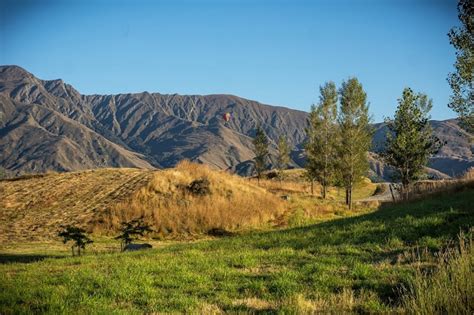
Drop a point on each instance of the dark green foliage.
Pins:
(131, 230)
(461, 81)
(200, 187)
(77, 236)
(409, 139)
(355, 135)
(320, 147)
(260, 144)
(283, 156)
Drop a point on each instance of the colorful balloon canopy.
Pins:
(226, 116)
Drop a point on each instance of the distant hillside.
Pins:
(48, 125)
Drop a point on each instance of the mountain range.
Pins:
(48, 125)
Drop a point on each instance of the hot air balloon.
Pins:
(226, 117)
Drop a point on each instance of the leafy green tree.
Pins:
(311, 166)
(132, 230)
(260, 149)
(322, 137)
(461, 81)
(283, 156)
(355, 136)
(77, 236)
(409, 138)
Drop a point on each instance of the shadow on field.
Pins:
(24, 258)
(441, 216)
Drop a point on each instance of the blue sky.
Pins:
(275, 52)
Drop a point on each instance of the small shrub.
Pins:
(380, 189)
(200, 187)
(271, 175)
(219, 232)
(131, 230)
(77, 235)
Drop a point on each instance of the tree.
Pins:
(409, 138)
(131, 230)
(283, 156)
(260, 144)
(322, 134)
(461, 81)
(355, 136)
(309, 147)
(77, 235)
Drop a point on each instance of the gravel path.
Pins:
(386, 196)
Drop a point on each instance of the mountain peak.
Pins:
(70, 131)
(14, 73)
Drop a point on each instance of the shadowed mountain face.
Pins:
(48, 125)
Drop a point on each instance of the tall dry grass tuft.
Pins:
(425, 188)
(347, 301)
(449, 288)
(469, 174)
(287, 186)
(172, 209)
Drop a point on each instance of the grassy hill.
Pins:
(33, 208)
(359, 263)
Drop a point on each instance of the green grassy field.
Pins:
(358, 263)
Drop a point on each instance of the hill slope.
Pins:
(33, 209)
(357, 264)
(60, 129)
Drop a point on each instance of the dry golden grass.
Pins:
(304, 207)
(443, 283)
(469, 174)
(426, 187)
(295, 183)
(233, 203)
(33, 208)
(286, 186)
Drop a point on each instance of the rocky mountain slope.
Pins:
(48, 125)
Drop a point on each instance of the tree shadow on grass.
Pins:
(24, 258)
(440, 217)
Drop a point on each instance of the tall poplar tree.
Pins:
(355, 136)
(260, 144)
(462, 80)
(322, 135)
(409, 138)
(310, 166)
(283, 156)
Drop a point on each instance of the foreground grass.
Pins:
(449, 288)
(349, 264)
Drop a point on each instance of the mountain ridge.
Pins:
(157, 130)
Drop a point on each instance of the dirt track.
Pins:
(386, 196)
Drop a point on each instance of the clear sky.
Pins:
(275, 52)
